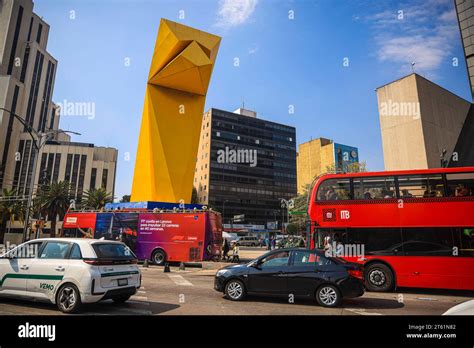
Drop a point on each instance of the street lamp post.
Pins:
(39, 139)
(288, 204)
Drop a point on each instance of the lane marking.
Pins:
(179, 280)
(139, 298)
(361, 311)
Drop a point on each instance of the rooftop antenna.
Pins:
(413, 67)
(243, 103)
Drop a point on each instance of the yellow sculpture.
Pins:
(179, 76)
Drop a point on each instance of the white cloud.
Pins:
(232, 13)
(425, 34)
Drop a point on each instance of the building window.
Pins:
(33, 97)
(67, 175)
(75, 170)
(218, 134)
(82, 173)
(38, 34)
(15, 40)
(93, 178)
(46, 96)
(57, 162)
(238, 137)
(257, 141)
(105, 174)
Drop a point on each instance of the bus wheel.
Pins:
(379, 277)
(158, 257)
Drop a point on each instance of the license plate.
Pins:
(122, 282)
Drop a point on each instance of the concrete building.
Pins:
(418, 119)
(321, 155)
(465, 15)
(245, 165)
(464, 148)
(27, 75)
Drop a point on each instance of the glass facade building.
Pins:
(245, 165)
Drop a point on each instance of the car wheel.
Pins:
(68, 299)
(235, 290)
(379, 277)
(328, 296)
(158, 257)
(121, 299)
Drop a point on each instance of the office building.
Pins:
(245, 165)
(321, 155)
(419, 122)
(27, 75)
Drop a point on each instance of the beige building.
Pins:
(319, 156)
(418, 120)
(27, 75)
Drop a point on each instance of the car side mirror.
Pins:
(256, 264)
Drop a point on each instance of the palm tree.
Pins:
(53, 201)
(96, 198)
(7, 207)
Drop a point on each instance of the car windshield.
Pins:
(113, 251)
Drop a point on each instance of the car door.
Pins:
(48, 269)
(268, 275)
(305, 273)
(15, 268)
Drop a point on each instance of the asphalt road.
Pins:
(191, 292)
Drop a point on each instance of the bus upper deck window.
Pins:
(460, 184)
(334, 189)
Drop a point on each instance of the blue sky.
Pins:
(104, 50)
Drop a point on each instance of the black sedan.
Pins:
(297, 272)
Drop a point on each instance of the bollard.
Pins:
(181, 266)
(167, 268)
(145, 263)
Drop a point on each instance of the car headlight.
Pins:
(221, 272)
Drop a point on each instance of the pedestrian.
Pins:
(225, 250)
(86, 234)
(273, 243)
(235, 253)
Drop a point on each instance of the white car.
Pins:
(69, 272)
(465, 308)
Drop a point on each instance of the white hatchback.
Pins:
(70, 271)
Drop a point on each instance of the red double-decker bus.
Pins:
(415, 228)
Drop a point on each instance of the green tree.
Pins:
(299, 210)
(10, 209)
(96, 198)
(125, 199)
(53, 200)
(356, 167)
